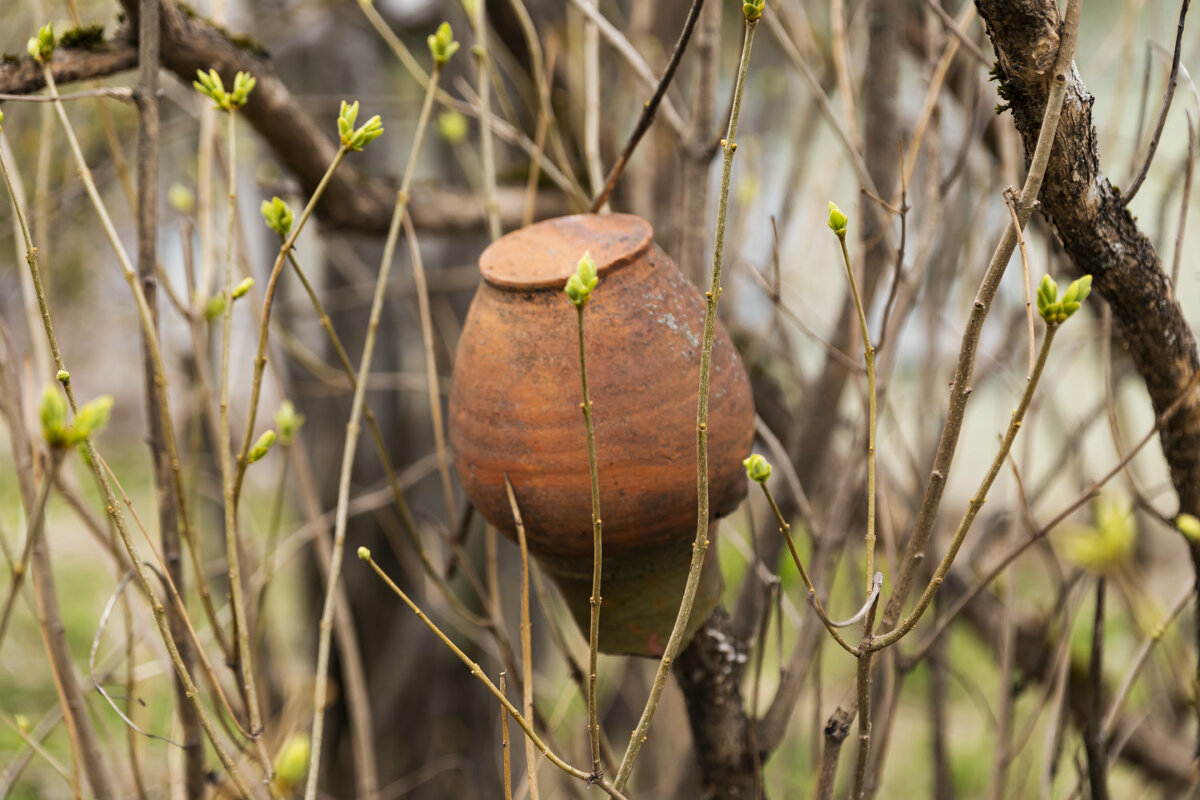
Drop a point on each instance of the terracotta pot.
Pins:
(515, 409)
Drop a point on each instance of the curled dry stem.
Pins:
(813, 599)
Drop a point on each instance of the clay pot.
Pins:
(515, 409)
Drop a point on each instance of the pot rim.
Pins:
(542, 256)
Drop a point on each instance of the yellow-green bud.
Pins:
(580, 285)
(1055, 310)
(758, 469)
(1111, 543)
(215, 307)
(53, 415)
(63, 377)
(262, 446)
(441, 44)
(91, 418)
(278, 215)
(837, 220)
(243, 84)
(22, 723)
(243, 287)
(1189, 526)
(753, 9)
(211, 86)
(356, 138)
(41, 47)
(364, 553)
(292, 764)
(452, 126)
(288, 422)
(181, 198)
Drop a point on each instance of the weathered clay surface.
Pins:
(515, 403)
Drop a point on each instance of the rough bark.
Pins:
(24, 75)
(709, 671)
(353, 200)
(1100, 236)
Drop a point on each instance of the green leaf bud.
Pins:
(181, 198)
(452, 126)
(215, 307)
(211, 86)
(63, 377)
(369, 132)
(91, 418)
(243, 84)
(292, 764)
(753, 9)
(758, 469)
(1076, 293)
(837, 220)
(288, 422)
(357, 139)
(364, 553)
(441, 44)
(1189, 526)
(262, 446)
(279, 215)
(347, 115)
(1110, 544)
(243, 287)
(580, 285)
(1047, 300)
(53, 415)
(41, 47)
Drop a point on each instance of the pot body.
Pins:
(515, 409)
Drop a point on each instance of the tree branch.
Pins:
(1101, 237)
(353, 201)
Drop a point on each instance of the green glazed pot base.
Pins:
(640, 596)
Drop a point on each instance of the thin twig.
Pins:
(1010, 202)
(977, 500)
(243, 657)
(1166, 106)
(352, 431)
(635, 60)
(1183, 204)
(813, 599)
(486, 148)
(1139, 660)
(595, 599)
(1039, 534)
(506, 756)
(964, 369)
(700, 546)
(1093, 735)
(122, 93)
(649, 109)
(526, 640)
(431, 370)
(478, 672)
